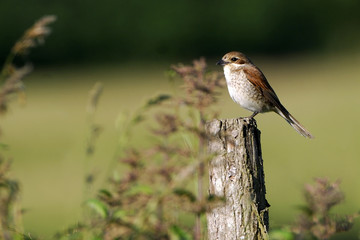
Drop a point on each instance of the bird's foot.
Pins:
(253, 115)
(251, 118)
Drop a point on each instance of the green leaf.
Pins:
(179, 234)
(138, 118)
(140, 189)
(157, 100)
(105, 193)
(186, 193)
(98, 206)
(120, 214)
(281, 234)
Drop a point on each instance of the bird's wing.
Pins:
(258, 79)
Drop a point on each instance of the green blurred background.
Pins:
(308, 50)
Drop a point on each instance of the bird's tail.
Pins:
(294, 123)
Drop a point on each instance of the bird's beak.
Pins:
(221, 62)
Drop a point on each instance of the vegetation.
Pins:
(155, 190)
(316, 219)
(12, 83)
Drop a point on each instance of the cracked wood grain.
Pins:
(236, 175)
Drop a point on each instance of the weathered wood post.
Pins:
(236, 174)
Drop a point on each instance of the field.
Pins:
(47, 136)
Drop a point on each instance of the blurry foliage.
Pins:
(93, 134)
(11, 82)
(111, 29)
(11, 75)
(156, 193)
(316, 221)
(283, 233)
(10, 212)
(95, 129)
(155, 197)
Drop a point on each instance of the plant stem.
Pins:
(200, 176)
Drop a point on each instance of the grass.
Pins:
(46, 137)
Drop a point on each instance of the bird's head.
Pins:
(234, 59)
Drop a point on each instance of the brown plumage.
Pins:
(249, 88)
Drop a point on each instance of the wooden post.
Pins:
(236, 175)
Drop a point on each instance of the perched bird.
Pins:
(249, 88)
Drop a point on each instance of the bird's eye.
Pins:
(234, 59)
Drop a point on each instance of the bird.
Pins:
(249, 88)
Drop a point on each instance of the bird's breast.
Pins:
(243, 92)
